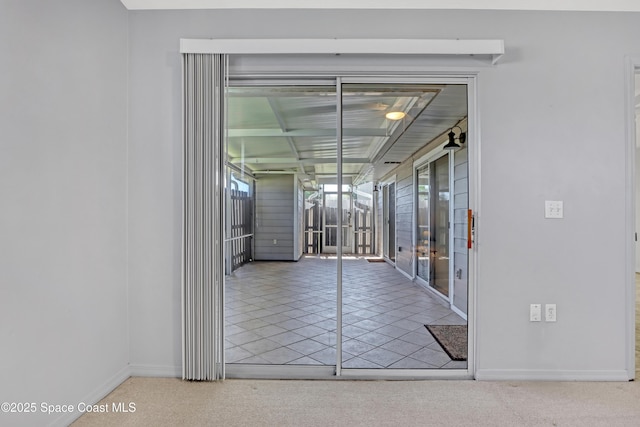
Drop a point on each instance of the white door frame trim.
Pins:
(451, 75)
(632, 65)
(386, 244)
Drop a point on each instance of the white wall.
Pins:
(637, 124)
(553, 128)
(63, 115)
(154, 201)
(637, 206)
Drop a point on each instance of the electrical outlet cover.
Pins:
(550, 312)
(554, 209)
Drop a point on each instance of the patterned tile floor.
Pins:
(284, 313)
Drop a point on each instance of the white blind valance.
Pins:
(492, 49)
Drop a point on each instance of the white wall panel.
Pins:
(404, 218)
(552, 126)
(63, 169)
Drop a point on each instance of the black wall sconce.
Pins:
(452, 145)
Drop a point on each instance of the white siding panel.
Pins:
(460, 251)
(274, 218)
(300, 229)
(404, 218)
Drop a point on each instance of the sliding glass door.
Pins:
(323, 172)
(423, 223)
(387, 321)
(281, 305)
(433, 224)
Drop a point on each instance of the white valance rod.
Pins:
(491, 48)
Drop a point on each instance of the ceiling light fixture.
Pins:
(462, 137)
(395, 115)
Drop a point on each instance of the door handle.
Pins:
(471, 228)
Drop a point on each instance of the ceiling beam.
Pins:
(237, 133)
(289, 139)
(285, 160)
(242, 172)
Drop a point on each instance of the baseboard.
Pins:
(549, 375)
(161, 371)
(95, 396)
(405, 374)
(308, 372)
(404, 273)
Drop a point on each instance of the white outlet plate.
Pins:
(550, 312)
(535, 313)
(553, 209)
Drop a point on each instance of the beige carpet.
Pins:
(172, 402)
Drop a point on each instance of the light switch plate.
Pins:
(553, 209)
(535, 313)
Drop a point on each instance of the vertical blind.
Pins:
(202, 239)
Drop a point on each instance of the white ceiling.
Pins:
(552, 5)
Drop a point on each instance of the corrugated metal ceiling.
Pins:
(292, 129)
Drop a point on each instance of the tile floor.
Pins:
(283, 313)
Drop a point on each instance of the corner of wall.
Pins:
(95, 396)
